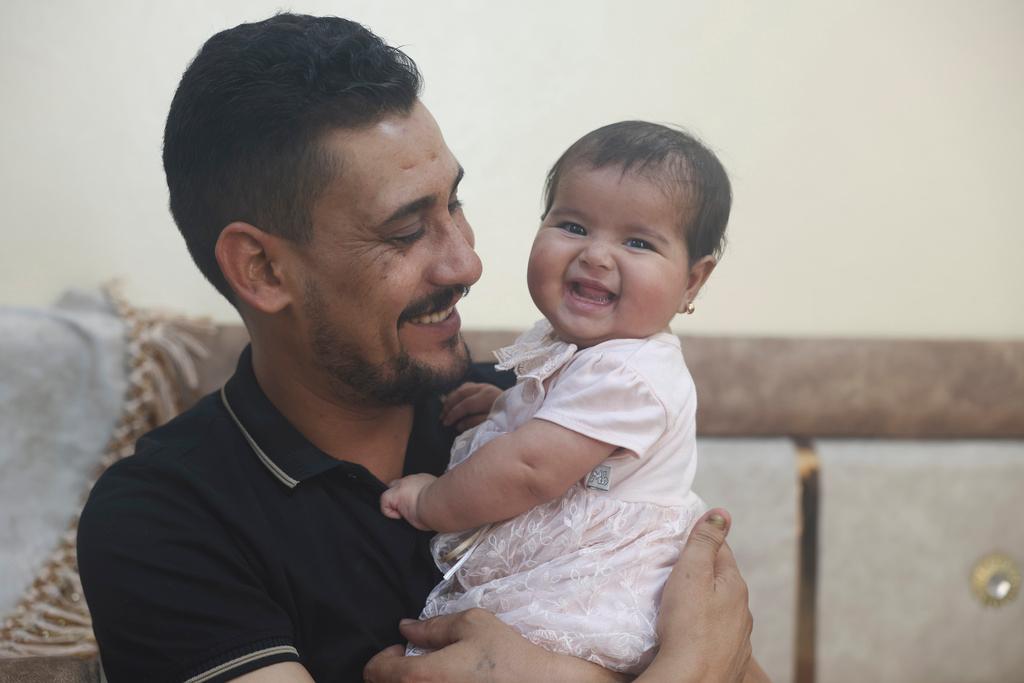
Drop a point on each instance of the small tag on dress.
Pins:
(600, 478)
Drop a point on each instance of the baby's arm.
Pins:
(509, 475)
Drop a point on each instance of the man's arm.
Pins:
(704, 627)
(170, 594)
(285, 672)
(476, 646)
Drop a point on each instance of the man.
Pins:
(243, 539)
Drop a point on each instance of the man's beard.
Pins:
(398, 381)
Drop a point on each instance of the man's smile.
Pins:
(433, 318)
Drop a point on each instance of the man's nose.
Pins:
(458, 263)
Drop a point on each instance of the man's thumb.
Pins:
(709, 533)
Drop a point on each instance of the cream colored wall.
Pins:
(875, 147)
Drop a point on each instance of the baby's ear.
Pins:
(699, 274)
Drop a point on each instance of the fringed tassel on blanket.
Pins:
(52, 618)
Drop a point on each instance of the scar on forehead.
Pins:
(406, 167)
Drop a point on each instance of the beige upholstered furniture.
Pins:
(868, 481)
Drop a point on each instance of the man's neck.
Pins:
(367, 434)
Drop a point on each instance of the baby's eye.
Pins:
(574, 228)
(637, 243)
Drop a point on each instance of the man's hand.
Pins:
(476, 646)
(704, 623)
(468, 405)
(401, 501)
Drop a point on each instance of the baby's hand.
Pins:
(468, 405)
(400, 501)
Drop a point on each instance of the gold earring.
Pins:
(690, 308)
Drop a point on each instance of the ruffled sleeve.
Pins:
(599, 396)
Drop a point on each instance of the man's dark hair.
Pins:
(242, 141)
(679, 161)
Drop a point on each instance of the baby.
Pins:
(564, 511)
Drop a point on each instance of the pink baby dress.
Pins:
(583, 574)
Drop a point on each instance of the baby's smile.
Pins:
(591, 291)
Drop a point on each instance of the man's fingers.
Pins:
(700, 553)
(432, 634)
(725, 561)
(442, 631)
(384, 665)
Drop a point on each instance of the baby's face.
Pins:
(609, 260)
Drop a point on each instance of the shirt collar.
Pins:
(282, 449)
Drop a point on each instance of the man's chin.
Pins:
(408, 378)
(446, 368)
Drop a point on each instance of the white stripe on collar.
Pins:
(270, 464)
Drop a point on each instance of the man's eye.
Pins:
(408, 238)
(454, 205)
(637, 243)
(574, 228)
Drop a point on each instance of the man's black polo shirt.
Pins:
(229, 542)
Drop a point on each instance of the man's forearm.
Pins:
(569, 668)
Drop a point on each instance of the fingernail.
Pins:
(406, 622)
(717, 520)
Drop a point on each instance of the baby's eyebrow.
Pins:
(649, 234)
(568, 212)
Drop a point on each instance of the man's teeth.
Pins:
(431, 318)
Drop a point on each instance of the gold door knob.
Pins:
(995, 580)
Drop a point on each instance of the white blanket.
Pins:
(62, 385)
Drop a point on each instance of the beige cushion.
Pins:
(756, 480)
(902, 525)
(49, 670)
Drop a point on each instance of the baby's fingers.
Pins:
(470, 422)
(389, 504)
(457, 394)
(470, 403)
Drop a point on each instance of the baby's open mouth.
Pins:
(593, 293)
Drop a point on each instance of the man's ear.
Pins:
(699, 274)
(250, 260)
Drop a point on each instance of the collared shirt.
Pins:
(229, 542)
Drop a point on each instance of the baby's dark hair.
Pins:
(687, 168)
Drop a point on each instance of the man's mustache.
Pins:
(438, 301)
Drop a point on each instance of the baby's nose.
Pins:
(597, 255)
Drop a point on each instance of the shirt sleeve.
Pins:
(602, 397)
(172, 597)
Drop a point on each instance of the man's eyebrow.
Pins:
(417, 205)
